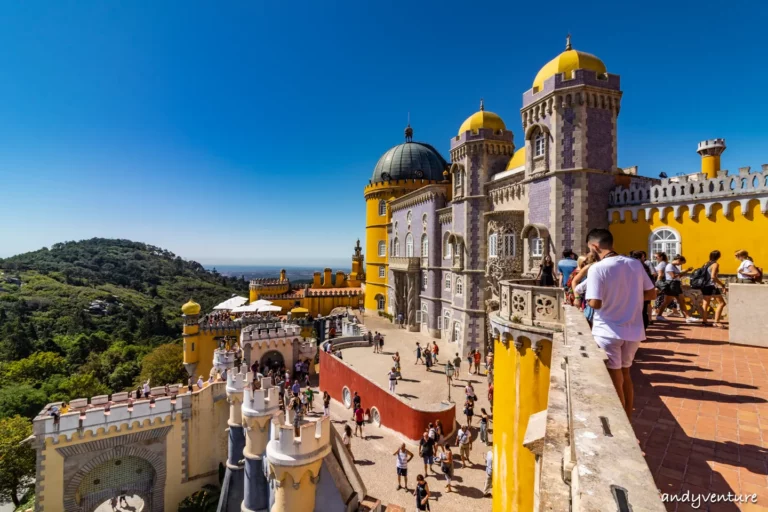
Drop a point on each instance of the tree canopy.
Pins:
(17, 459)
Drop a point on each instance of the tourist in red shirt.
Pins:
(359, 420)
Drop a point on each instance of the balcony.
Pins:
(522, 302)
(400, 264)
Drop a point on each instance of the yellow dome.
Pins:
(482, 119)
(567, 62)
(191, 308)
(517, 159)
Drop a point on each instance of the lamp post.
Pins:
(449, 371)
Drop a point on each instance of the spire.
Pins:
(409, 130)
(482, 105)
(568, 43)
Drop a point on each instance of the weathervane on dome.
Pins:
(409, 130)
(482, 105)
(568, 43)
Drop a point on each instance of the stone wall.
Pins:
(748, 323)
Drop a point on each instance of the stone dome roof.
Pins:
(567, 62)
(410, 160)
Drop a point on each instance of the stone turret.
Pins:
(234, 482)
(259, 407)
(294, 462)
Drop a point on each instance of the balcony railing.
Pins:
(401, 264)
(525, 303)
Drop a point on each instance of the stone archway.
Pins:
(274, 356)
(83, 494)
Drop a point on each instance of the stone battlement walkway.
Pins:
(701, 413)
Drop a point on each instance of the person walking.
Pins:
(359, 420)
(418, 354)
(447, 467)
(546, 276)
(747, 273)
(456, 365)
(326, 404)
(427, 450)
(485, 419)
(400, 320)
(422, 493)
(428, 358)
(712, 289)
(435, 351)
(488, 473)
(356, 401)
(640, 256)
(403, 457)
(469, 409)
(463, 439)
(346, 440)
(440, 435)
(392, 380)
(616, 289)
(672, 288)
(565, 268)
(477, 359)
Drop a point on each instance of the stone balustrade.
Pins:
(693, 188)
(410, 264)
(525, 303)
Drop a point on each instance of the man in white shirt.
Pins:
(617, 286)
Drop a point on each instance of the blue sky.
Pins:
(243, 132)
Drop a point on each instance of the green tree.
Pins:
(17, 459)
(36, 368)
(204, 500)
(82, 385)
(164, 365)
(21, 400)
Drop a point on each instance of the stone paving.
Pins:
(701, 414)
(374, 454)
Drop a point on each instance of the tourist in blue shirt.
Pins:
(566, 266)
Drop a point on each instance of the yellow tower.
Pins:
(190, 335)
(294, 462)
(402, 169)
(710, 151)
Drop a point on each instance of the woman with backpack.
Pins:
(706, 279)
(748, 273)
(672, 288)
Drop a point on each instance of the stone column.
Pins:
(295, 463)
(259, 406)
(234, 476)
(413, 300)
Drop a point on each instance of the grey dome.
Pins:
(411, 160)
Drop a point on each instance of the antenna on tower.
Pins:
(568, 43)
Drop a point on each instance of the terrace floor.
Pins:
(701, 414)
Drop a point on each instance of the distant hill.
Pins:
(98, 306)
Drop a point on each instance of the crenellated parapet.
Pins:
(224, 359)
(273, 332)
(108, 416)
(312, 444)
(236, 380)
(337, 292)
(682, 193)
(262, 401)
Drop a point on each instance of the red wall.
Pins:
(395, 413)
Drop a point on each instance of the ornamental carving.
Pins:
(545, 308)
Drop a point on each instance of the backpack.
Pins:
(759, 277)
(700, 277)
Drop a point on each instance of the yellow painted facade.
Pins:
(205, 446)
(521, 388)
(698, 234)
(710, 164)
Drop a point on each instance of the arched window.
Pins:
(379, 302)
(459, 286)
(382, 248)
(539, 143)
(382, 272)
(409, 216)
(397, 248)
(409, 246)
(456, 332)
(665, 240)
(424, 246)
(424, 314)
(382, 207)
(447, 282)
(537, 247)
(493, 240)
(447, 247)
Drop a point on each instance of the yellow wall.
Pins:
(700, 235)
(710, 164)
(521, 388)
(375, 231)
(208, 422)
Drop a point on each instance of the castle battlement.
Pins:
(236, 379)
(224, 359)
(285, 331)
(692, 187)
(105, 415)
(336, 292)
(313, 443)
(260, 402)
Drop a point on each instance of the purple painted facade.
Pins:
(538, 202)
(580, 77)
(567, 211)
(568, 140)
(600, 139)
(599, 187)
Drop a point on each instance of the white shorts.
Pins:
(620, 353)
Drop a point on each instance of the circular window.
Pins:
(419, 174)
(375, 417)
(346, 396)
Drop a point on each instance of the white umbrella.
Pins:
(245, 309)
(266, 309)
(231, 303)
(260, 302)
